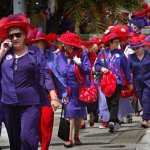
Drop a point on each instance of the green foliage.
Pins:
(91, 14)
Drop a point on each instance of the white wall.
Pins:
(19, 6)
(148, 1)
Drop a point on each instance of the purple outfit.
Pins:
(74, 108)
(141, 77)
(116, 62)
(24, 82)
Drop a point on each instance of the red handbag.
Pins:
(87, 94)
(108, 84)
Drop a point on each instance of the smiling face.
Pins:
(17, 37)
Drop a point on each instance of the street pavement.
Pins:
(128, 137)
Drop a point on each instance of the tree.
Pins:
(95, 15)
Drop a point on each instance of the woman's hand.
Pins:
(54, 100)
(5, 46)
(55, 104)
(104, 70)
(65, 100)
(77, 60)
(130, 87)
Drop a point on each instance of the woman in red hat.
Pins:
(25, 82)
(67, 59)
(47, 114)
(113, 59)
(139, 63)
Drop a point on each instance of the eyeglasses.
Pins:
(17, 35)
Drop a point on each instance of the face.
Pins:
(68, 47)
(17, 37)
(139, 50)
(40, 44)
(114, 44)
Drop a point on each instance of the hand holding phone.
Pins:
(5, 46)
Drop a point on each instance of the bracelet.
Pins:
(55, 99)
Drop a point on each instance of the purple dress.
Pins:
(74, 108)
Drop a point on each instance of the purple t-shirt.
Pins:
(24, 77)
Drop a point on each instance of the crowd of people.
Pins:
(39, 72)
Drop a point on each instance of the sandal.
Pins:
(82, 126)
(68, 144)
(77, 141)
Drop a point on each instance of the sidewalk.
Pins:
(128, 137)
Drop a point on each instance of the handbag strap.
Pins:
(62, 110)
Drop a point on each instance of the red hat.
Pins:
(146, 41)
(142, 36)
(136, 42)
(70, 39)
(132, 34)
(144, 5)
(112, 36)
(89, 44)
(40, 36)
(95, 40)
(18, 20)
(52, 37)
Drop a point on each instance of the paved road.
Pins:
(129, 137)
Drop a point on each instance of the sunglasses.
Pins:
(17, 35)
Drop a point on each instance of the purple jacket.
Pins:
(141, 71)
(116, 62)
(43, 81)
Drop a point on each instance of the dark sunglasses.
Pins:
(17, 35)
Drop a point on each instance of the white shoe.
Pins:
(101, 127)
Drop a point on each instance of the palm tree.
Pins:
(95, 15)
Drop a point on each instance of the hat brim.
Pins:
(43, 39)
(146, 43)
(70, 43)
(23, 25)
(136, 46)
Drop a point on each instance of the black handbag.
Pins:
(64, 127)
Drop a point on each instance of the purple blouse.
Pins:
(24, 77)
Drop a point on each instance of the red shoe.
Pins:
(103, 125)
(77, 141)
(91, 123)
(82, 126)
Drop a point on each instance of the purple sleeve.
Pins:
(85, 65)
(49, 84)
(126, 68)
(98, 63)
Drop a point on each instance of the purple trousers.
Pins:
(22, 126)
(144, 97)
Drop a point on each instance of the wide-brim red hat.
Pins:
(70, 39)
(17, 20)
(136, 42)
(41, 36)
(146, 41)
(52, 37)
(112, 36)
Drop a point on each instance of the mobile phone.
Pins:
(9, 44)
